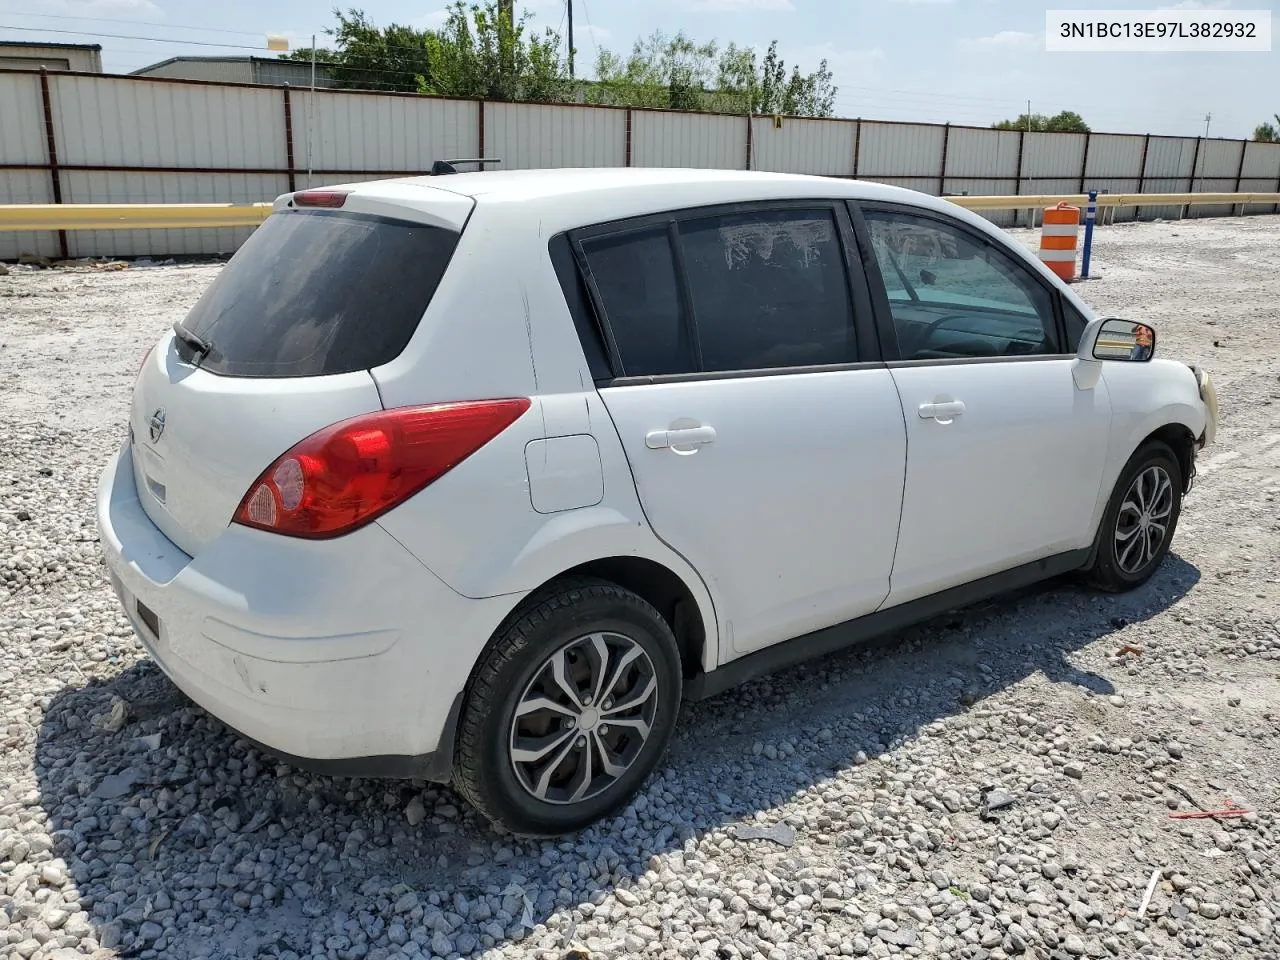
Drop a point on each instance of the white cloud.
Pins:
(934, 2)
(1009, 38)
(1198, 5)
(739, 6)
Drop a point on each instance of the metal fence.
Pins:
(93, 138)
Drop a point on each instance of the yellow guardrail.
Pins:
(1031, 201)
(130, 216)
(170, 216)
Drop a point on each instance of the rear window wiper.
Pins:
(198, 345)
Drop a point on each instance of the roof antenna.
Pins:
(442, 167)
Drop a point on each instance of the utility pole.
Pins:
(569, 13)
(311, 100)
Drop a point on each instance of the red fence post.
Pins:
(52, 144)
(288, 137)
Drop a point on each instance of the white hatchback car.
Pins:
(475, 477)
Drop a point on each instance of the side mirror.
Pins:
(1111, 338)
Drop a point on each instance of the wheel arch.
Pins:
(668, 593)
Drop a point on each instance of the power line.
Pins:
(115, 20)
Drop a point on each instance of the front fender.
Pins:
(1144, 398)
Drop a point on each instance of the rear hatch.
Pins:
(281, 344)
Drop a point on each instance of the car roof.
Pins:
(565, 182)
(569, 197)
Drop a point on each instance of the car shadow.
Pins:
(182, 840)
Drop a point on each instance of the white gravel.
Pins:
(995, 784)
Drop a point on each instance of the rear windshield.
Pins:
(318, 292)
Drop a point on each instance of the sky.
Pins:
(958, 61)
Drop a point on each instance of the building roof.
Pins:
(49, 43)
(215, 59)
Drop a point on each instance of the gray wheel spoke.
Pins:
(606, 761)
(600, 667)
(586, 771)
(1123, 536)
(536, 754)
(534, 704)
(620, 668)
(544, 781)
(639, 724)
(559, 673)
(1136, 545)
(633, 700)
(1153, 542)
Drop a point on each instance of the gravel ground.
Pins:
(996, 783)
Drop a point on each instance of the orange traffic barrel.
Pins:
(1058, 235)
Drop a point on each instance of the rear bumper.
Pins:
(346, 656)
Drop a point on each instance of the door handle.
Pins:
(686, 437)
(943, 412)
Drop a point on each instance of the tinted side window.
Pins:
(952, 296)
(635, 276)
(579, 303)
(768, 289)
(317, 293)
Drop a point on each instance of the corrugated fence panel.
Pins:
(1169, 162)
(922, 184)
(1168, 170)
(1220, 159)
(86, 187)
(661, 139)
(380, 135)
(985, 154)
(1114, 165)
(22, 133)
(1262, 161)
(1261, 173)
(118, 122)
(900, 150)
(22, 140)
(1114, 156)
(26, 186)
(532, 136)
(1052, 156)
(822, 147)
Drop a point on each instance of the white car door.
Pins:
(764, 434)
(1005, 452)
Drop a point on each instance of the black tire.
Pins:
(1115, 567)
(564, 619)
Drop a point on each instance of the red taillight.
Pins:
(348, 474)
(320, 198)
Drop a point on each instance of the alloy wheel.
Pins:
(584, 718)
(1143, 520)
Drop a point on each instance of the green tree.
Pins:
(678, 73)
(765, 87)
(1068, 121)
(1268, 132)
(476, 53)
(480, 53)
(661, 71)
(371, 57)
